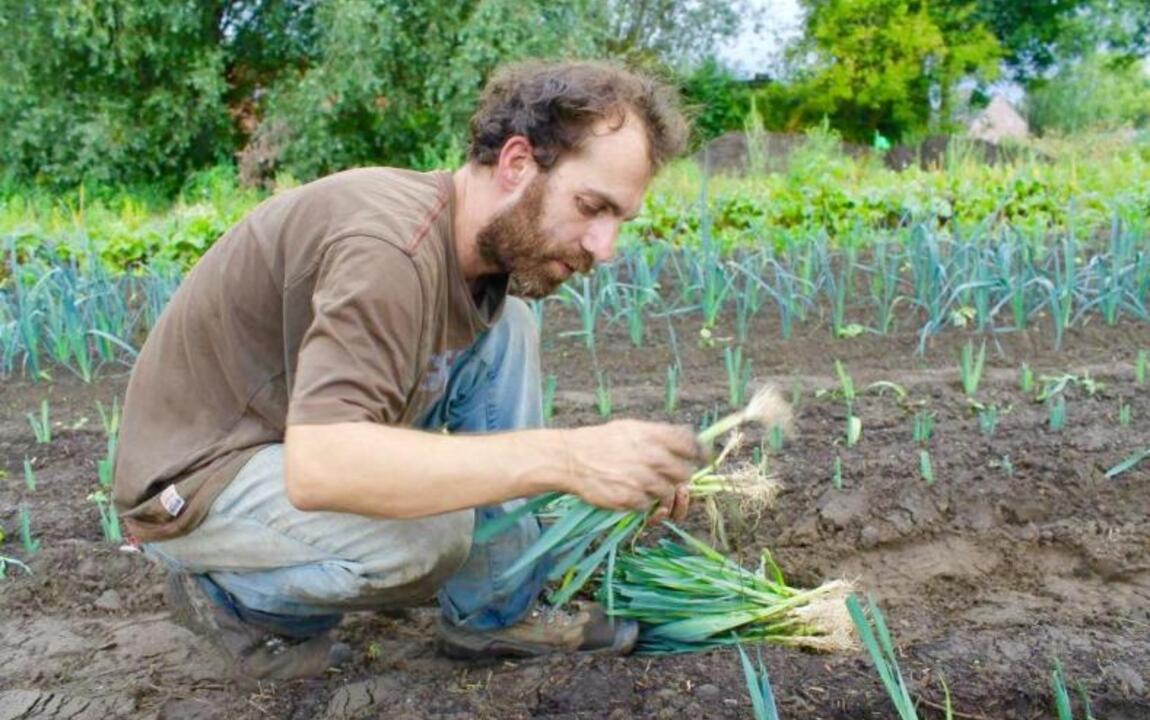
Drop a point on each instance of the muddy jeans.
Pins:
(299, 569)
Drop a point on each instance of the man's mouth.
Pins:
(565, 269)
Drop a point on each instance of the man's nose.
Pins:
(601, 238)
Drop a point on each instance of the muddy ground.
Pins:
(1019, 552)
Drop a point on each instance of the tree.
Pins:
(143, 91)
(395, 81)
(883, 65)
(677, 33)
(1037, 36)
(1092, 92)
(116, 91)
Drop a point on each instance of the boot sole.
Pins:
(459, 644)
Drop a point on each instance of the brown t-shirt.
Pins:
(338, 301)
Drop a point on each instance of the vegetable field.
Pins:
(1017, 550)
(970, 388)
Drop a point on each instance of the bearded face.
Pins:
(516, 243)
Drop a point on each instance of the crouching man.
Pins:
(282, 446)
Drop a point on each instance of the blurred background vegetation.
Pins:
(150, 95)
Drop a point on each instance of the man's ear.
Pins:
(516, 167)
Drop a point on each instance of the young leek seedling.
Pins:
(5, 561)
(1062, 705)
(1128, 463)
(31, 545)
(109, 419)
(970, 367)
(988, 420)
(854, 430)
(775, 438)
(738, 375)
(109, 520)
(1140, 367)
(923, 426)
(550, 385)
(759, 687)
(925, 467)
(1057, 412)
(847, 384)
(879, 645)
(1026, 379)
(29, 475)
(671, 390)
(603, 394)
(41, 424)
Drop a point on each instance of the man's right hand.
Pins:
(631, 464)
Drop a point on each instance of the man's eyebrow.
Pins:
(611, 204)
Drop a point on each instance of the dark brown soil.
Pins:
(1018, 553)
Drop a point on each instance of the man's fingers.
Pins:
(658, 516)
(681, 441)
(673, 469)
(682, 502)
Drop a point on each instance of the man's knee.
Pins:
(445, 547)
(437, 549)
(412, 561)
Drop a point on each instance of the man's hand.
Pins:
(629, 464)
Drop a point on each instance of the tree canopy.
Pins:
(145, 91)
(885, 65)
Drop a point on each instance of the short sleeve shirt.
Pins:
(338, 301)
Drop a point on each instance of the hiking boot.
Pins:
(252, 653)
(586, 628)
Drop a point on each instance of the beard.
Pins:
(514, 242)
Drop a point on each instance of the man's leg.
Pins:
(292, 572)
(278, 560)
(495, 386)
(265, 582)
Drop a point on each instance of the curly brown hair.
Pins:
(554, 105)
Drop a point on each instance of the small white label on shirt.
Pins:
(171, 500)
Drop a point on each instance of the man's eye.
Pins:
(586, 208)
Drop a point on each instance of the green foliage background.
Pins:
(112, 92)
(145, 94)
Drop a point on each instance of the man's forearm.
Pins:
(391, 472)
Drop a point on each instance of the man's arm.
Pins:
(390, 472)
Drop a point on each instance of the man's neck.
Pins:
(473, 208)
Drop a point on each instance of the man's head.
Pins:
(571, 148)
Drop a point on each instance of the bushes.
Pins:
(1096, 92)
(719, 102)
(113, 92)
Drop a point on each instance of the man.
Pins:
(282, 447)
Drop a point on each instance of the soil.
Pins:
(1019, 552)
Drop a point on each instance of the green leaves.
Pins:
(1128, 464)
(877, 61)
(876, 639)
(759, 686)
(690, 597)
(970, 367)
